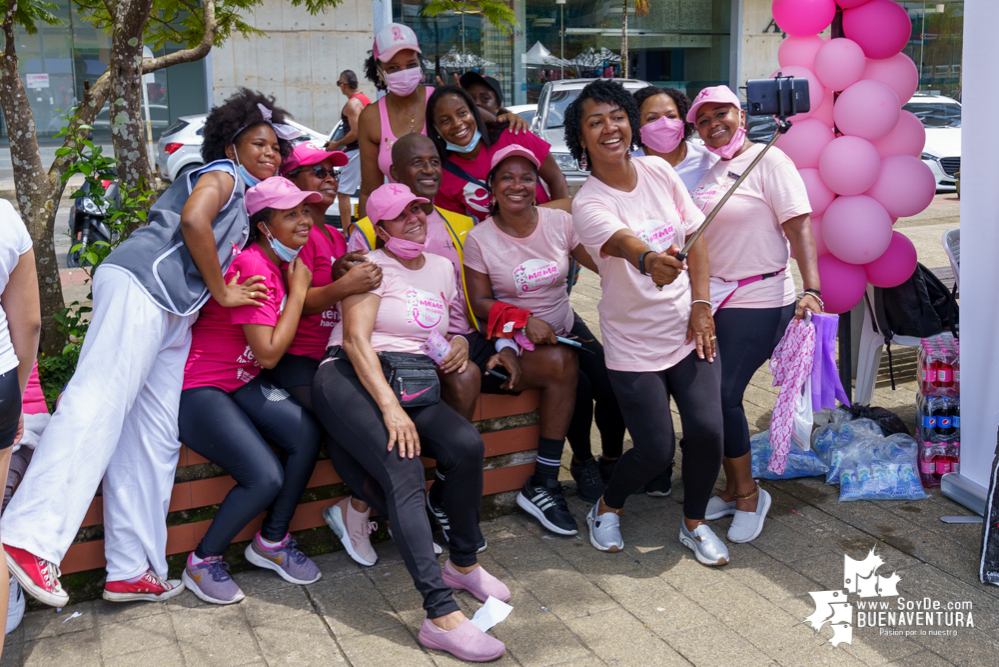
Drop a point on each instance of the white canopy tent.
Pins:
(456, 60)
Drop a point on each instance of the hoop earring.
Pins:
(584, 162)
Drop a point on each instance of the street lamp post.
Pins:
(561, 7)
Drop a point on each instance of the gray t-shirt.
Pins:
(155, 255)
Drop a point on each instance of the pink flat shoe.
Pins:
(478, 582)
(465, 642)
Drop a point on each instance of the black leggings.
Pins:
(695, 385)
(746, 338)
(10, 407)
(594, 385)
(346, 408)
(229, 429)
(295, 374)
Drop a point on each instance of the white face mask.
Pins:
(403, 82)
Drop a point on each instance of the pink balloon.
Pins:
(803, 17)
(825, 110)
(899, 72)
(839, 64)
(895, 265)
(850, 4)
(815, 89)
(804, 142)
(843, 284)
(867, 109)
(881, 27)
(799, 50)
(856, 229)
(905, 185)
(819, 194)
(849, 165)
(907, 138)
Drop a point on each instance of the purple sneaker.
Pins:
(210, 581)
(285, 559)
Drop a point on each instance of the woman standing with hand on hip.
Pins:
(751, 286)
(632, 215)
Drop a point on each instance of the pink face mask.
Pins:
(663, 134)
(734, 145)
(403, 83)
(403, 248)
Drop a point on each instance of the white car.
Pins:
(941, 117)
(525, 111)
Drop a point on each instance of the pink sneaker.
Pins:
(478, 582)
(354, 530)
(465, 642)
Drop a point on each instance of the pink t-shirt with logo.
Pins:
(644, 329)
(746, 238)
(461, 196)
(528, 272)
(318, 253)
(413, 304)
(220, 356)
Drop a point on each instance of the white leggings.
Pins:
(117, 420)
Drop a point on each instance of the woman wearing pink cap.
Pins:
(633, 215)
(752, 292)
(378, 391)
(229, 411)
(520, 256)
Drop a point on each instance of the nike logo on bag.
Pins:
(409, 397)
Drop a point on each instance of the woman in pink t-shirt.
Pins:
(751, 286)
(632, 215)
(229, 411)
(521, 256)
(371, 420)
(467, 144)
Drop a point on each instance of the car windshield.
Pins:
(937, 114)
(559, 100)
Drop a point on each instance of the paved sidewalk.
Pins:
(650, 605)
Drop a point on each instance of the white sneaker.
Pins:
(706, 546)
(717, 508)
(747, 526)
(605, 530)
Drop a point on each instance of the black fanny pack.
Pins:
(413, 378)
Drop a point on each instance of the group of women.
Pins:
(237, 320)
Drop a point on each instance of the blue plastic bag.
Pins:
(799, 463)
(880, 469)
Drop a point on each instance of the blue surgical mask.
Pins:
(284, 253)
(467, 148)
(248, 178)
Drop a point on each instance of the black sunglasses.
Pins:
(323, 172)
(340, 83)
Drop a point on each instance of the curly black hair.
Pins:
(233, 117)
(494, 207)
(489, 134)
(681, 101)
(263, 215)
(601, 90)
(371, 70)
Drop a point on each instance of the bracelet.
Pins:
(706, 303)
(812, 290)
(812, 293)
(641, 262)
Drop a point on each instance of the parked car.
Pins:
(941, 117)
(548, 123)
(525, 111)
(159, 117)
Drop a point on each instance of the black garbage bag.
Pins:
(889, 422)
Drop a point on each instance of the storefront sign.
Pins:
(37, 80)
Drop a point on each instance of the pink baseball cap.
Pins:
(279, 193)
(392, 39)
(388, 201)
(308, 153)
(514, 150)
(712, 95)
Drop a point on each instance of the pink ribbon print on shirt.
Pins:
(534, 274)
(423, 308)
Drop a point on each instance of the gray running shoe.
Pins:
(210, 581)
(747, 526)
(605, 530)
(705, 544)
(290, 563)
(717, 508)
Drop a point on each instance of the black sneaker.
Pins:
(437, 509)
(661, 485)
(547, 505)
(589, 485)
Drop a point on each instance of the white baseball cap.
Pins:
(392, 39)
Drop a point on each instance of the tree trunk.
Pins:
(624, 39)
(128, 125)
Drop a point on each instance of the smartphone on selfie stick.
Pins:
(780, 97)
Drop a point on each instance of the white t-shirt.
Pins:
(746, 238)
(693, 166)
(644, 329)
(14, 242)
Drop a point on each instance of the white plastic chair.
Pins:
(952, 246)
(872, 339)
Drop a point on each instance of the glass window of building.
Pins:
(936, 43)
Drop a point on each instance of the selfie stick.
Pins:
(783, 125)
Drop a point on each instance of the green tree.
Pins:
(496, 12)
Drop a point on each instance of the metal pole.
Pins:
(562, 50)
